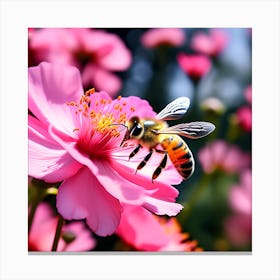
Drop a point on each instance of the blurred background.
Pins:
(211, 66)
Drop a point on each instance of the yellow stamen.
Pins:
(99, 121)
(90, 91)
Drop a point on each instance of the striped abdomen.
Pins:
(179, 154)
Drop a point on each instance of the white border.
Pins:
(263, 16)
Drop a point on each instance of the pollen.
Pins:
(117, 107)
(72, 104)
(96, 116)
(90, 92)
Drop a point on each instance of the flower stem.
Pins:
(59, 226)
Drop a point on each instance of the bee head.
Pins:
(135, 128)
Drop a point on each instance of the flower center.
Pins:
(83, 57)
(95, 117)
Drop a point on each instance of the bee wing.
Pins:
(193, 130)
(174, 110)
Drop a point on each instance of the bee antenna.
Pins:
(127, 133)
(118, 124)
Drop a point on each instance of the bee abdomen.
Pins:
(179, 154)
(184, 164)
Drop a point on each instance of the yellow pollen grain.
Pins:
(92, 114)
(100, 122)
(90, 91)
(85, 107)
(117, 107)
(121, 119)
(72, 103)
(132, 109)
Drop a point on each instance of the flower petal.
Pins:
(51, 86)
(161, 207)
(112, 54)
(53, 44)
(163, 36)
(141, 107)
(101, 79)
(47, 159)
(162, 189)
(240, 199)
(120, 188)
(82, 196)
(83, 241)
(133, 229)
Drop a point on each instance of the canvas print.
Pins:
(139, 139)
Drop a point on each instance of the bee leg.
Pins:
(135, 151)
(144, 161)
(161, 166)
(160, 151)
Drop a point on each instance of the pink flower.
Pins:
(221, 155)
(147, 232)
(244, 117)
(240, 194)
(71, 141)
(239, 224)
(244, 114)
(248, 94)
(155, 37)
(210, 44)
(196, 66)
(75, 236)
(95, 52)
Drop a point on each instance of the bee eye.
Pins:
(136, 130)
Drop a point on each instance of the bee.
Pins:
(155, 132)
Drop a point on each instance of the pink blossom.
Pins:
(196, 66)
(240, 194)
(95, 52)
(71, 141)
(239, 224)
(226, 157)
(75, 236)
(244, 114)
(210, 44)
(155, 37)
(244, 117)
(248, 94)
(147, 232)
